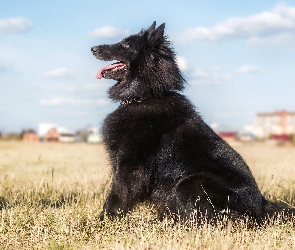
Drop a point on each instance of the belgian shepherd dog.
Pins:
(161, 151)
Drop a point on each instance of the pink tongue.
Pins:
(109, 67)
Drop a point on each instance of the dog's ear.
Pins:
(152, 28)
(156, 35)
(159, 32)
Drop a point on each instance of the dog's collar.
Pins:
(126, 102)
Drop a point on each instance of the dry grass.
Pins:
(51, 195)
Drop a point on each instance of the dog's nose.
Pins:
(93, 49)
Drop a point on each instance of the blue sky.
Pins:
(238, 57)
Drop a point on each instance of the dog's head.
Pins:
(145, 66)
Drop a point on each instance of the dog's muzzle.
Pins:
(94, 49)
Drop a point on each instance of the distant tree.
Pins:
(22, 134)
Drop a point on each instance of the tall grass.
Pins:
(52, 194)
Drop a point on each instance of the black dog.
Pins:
(160, 149)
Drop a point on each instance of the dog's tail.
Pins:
(279, 211)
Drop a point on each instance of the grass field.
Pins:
(51, 195)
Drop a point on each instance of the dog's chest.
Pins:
(132, 130)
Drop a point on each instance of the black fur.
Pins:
(161, 150)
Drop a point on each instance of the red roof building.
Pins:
(30, 135)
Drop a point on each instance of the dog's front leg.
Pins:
(116, 204)
(129, 186)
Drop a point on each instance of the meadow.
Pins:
(51, 195)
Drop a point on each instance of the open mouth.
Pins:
(103, 72)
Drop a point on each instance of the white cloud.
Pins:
(213, 76)
(108, 32)
(101, 102)
(198, 76)
(247, 69)
(71, 101)
(280, 39)
(15, 25)
(182, 63)
(280, 20)
(67, 88)
(59, 73)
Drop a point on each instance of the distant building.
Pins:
(94, 137)
(66, 137)
(246, 137)
(55, 133)
(225, 132)
(83, 134)
(79, 138)
(30, 135)
(44, 128)
(228, 135)
(52, 135)
(281, 137)
(276, 125)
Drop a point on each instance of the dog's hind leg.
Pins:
(194, 197)
(279, 212)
